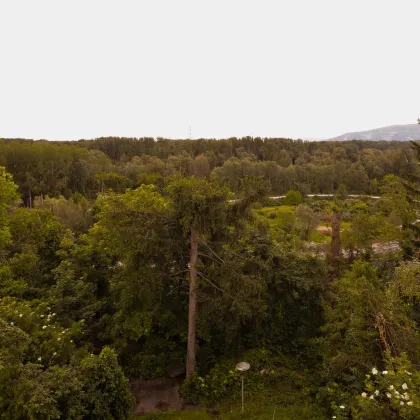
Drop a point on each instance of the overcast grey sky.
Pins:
(291, 68)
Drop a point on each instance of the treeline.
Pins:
(42, 168)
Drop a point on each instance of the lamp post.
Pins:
(242, 367)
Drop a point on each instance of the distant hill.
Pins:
(391, 133)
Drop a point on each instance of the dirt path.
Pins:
(156, 394)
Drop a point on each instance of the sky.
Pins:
(286, 68)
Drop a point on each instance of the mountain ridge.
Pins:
(404, 132)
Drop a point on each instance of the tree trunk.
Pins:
(335, 236)
(192, 310)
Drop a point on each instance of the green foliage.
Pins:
(175, 415)
(32, 253)
(306, 220)
(280, 221)
(399, 203)
(145, 366)
(37, 379)
(90, 167)
(293, 198)
(12, 345)
(341, 192)
(211, 388)
(406, 280)
(73, 213)
(106, 389)
(42, 375)
(364, 229)
(50, 394)
(145, 178)
(262, 410)
(117, 211)
(395, 392)
(319, 237)
(137, 230)
(199, 204)
(99, 266)
(390, 393)
(294, 300)
(271, 381)
(366, 319)
(8, 192)
(395, 200)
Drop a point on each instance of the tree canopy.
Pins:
(128, 259)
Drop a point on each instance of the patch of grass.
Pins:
(174, 415)
(344, 225)
(319, 237)
(253, 411)
(291, 412)
(281, 217)
(284, 387)
(279, 209)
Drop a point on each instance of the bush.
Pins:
(106, 390)
(385, 394)
(146, 366)
(293, 198)
(211, 388)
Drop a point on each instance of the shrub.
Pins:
(211, 388)
(106, 390)
(293, 198)
(391, 393)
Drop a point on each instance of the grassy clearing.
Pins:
(291, 412)
(279, 209)
(281, 217)
(286, 390)
(304, 411)
(285, 400)
(174, 415)
(344, 225)
(319, 237)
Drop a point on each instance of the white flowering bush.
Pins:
(390, 393)
(50, 342)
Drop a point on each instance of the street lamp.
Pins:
(242, 367)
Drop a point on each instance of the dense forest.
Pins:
(123, 260)
(90, 166)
